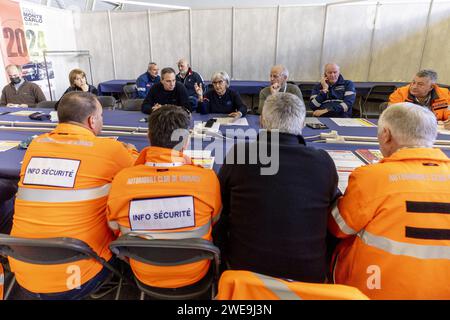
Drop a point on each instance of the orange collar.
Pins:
(157, 156)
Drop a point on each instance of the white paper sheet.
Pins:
(352, 122)
(6, 145)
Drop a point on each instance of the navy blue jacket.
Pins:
(338, 100)
(144, 83)
(228, 103)
(191, 78)
(178, 96)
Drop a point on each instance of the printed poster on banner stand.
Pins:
(23, 42)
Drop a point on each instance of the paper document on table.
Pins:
(22, 113)
(345, 160)
(441, 128)
(352, 122)
(198, 153)
(54, 116)
(206, 163)
(343, 180)
(6, 145)
(230, 121)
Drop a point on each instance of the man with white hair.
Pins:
(19, 92)
(279, 76)
(189, 78)
(274, 223)
(333, 96)
(395, 215)
(424, 91)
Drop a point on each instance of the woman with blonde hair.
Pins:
(78, 82)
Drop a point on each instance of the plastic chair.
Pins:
(49, 251)
(130, 91)
(132, 104)
(107, 102)
(47, 104)
(246, 285)
(171, 252)
(370, 107)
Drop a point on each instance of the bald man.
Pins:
(279, 75)
(19, 92)
(333, 97)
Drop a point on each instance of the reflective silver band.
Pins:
(2, 279)
(349, 93)
(60, 196)
(340, 221)
(280, 289)
(405, 249)
(314, 101)
(194, 233)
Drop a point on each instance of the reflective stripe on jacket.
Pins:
(246, 285)
(46, 209)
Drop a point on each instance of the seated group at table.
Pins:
(267, 218)
(333, 96)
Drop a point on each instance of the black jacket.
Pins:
(157, 94)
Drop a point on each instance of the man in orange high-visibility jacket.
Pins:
(164, 196)
(64, 183)
(424, 91)
(246, 285)
(395, 215)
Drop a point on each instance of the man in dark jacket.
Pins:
(333, 97)
(20, 92)
(147, 80)
(274, 217)
(189, 78)
(167, 91)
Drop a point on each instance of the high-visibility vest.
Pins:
(2, 281)
(440, 103)
(164, 178)
(64, 182)
(246, 285)
(395, 218)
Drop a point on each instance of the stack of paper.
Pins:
(345, 161)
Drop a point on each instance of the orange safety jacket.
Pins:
(64, 182)
(439, 104)
(2, 281)
(146, 201)
(395, 216)
(246, 285)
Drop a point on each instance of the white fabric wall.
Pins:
(388, 42)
